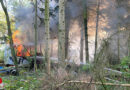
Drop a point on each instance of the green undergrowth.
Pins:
(1, 53)
(26, 81)
(123, 67)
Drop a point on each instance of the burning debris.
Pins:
(24, 55)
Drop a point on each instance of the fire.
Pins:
(21, 50)
(15, 37)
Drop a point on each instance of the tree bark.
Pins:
(129, 45)
(118, 34)
(97, 24)
(51, 54)
(118, 43)
(81, 44)
(35, 26)
(47, 31)
(66, 43)
(86, 30)
(67, 25)
(61, 32)
(10, 36)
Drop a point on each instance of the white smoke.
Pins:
(109, 18)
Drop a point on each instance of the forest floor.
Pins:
(40, 80)
(29, 80)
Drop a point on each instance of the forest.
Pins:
(64, 44)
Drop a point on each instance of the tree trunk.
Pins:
(66, 43)
(67, 25)
(81, 44)
(35, 26)
(51, 54)
(86, 30)
(61, 32)
(118, 34)
(118, 45)
(10, 36)
(129, 45)
(47, 31)
(97, 23)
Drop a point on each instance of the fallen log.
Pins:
(112, 80)
(96, 83)
(113, 71)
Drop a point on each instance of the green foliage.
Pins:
(86, 67)
(125, 61)
(3, 24)
(123, 67)
(125, 64)
(1, 56)
(1, 53)
(28, 81)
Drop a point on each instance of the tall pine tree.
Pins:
(86, 29)
(47, 31)
(35, 26)
(61, 32)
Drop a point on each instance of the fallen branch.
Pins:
(96, 83)
(114, 71)
(112, 80)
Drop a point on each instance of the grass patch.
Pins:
(28, 81)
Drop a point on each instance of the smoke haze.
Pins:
(110, 17)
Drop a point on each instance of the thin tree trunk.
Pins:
(97, 24)
(118, 45)
(81, 45)
(47, 49)
(67, 25)
(61, 32)
(129, 45)
(10, 36)
(118, 35)
(35, 26)
(51, 48)
(66, 43)
(86, 30)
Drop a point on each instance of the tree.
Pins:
(66, 42)
(97, 21)
(35, 26)
(129, 45)
(10, 36)
(118, 44)
(47, 30)
(118, 34)
(81, 44)
(86, 29)
(61, 32)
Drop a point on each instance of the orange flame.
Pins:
(15, 37)
(20, 48)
